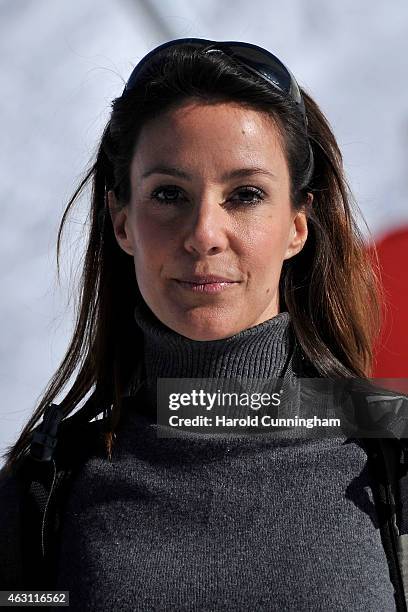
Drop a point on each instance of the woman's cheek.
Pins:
(146, 232)
(266, 241)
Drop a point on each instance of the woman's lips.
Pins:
(215, 287)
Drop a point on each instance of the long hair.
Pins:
(331, 288)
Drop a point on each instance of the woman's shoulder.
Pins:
(11, 504)
(11, 494)
(75, 444)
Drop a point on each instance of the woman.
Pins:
(222, 244)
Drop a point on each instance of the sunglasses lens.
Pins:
(267, 65)
(272, 69)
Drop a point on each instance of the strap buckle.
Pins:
(44, 439)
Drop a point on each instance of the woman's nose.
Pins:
(206, 231)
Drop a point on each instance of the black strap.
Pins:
(38, 478)
(383, 459)
(46, 473)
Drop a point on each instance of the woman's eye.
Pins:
(251, 195)
(171, 194)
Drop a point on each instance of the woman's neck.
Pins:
(260, 351)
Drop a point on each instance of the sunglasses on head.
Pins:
(255, 59)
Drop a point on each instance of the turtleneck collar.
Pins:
(260, 351)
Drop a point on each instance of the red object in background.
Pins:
(391, 352)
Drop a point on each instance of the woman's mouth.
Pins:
(215, 287)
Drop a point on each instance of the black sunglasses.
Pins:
(253, 58)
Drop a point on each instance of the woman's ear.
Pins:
(120, 222)
(298, 230)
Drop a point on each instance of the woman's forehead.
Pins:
(224, 136)
(215, 120)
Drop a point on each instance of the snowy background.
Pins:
(61, 63)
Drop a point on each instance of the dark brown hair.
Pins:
(331, 288)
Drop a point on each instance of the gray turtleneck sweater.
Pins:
(220, 522)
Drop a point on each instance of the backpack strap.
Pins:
(46, 472)
(388, 458)
(403, 517)
(40, 483)
(395, 457)
(384, 457)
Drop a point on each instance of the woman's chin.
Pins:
(206, 336)
(203, 327)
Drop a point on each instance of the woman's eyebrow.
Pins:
(237, 173)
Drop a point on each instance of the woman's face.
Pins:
(209, 196)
